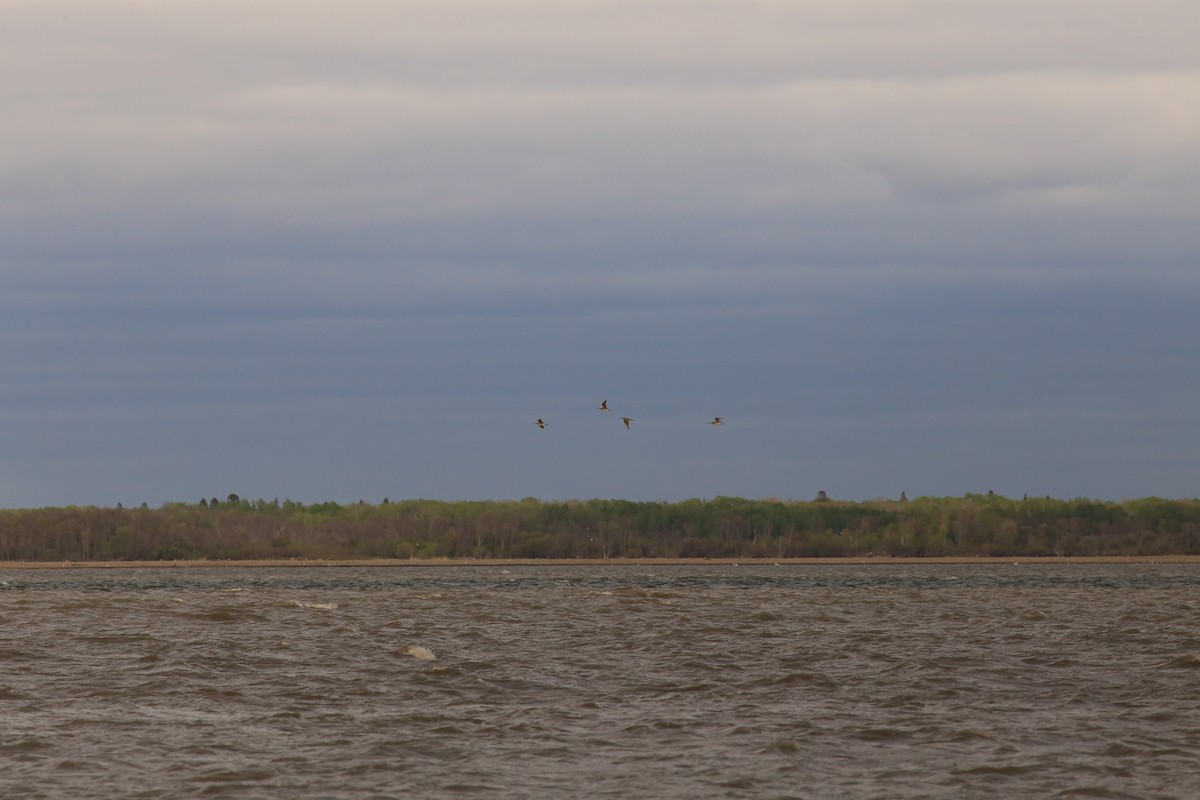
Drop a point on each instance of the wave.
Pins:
(1190, 661)
(225, 614)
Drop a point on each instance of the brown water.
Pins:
(637, 681)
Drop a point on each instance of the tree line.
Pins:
(729, 527)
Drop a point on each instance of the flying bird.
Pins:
(626, 420)
(603, 406)
(540, 423)
(717, 421)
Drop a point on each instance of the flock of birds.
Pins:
(541, 423)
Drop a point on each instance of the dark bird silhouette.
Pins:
(540, 423)
(603, 406)
(717, 421)
(626, 420)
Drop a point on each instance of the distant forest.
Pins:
(724, 527)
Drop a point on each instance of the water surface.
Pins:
(899, 681)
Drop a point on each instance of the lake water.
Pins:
(897, 681)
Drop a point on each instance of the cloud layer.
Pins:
(319, 251)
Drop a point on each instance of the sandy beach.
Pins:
(613, 562)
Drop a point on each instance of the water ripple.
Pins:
(840, 682)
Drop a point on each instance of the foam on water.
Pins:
(316, 606)
(421, 653)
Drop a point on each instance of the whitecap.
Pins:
(421, 653)
(316, 606)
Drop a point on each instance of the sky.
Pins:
(340, 251)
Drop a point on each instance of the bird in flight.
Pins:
(540, 423)
(626, 420)
(717, 421)
(603, 406)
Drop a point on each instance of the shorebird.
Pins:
(626, 420)
(540, 423)
(717, 421)
(603, 406)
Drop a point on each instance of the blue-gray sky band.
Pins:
(354, 250)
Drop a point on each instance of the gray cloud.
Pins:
(317, 252)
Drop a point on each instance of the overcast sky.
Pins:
(352, 250)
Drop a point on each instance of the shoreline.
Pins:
(595, 562)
